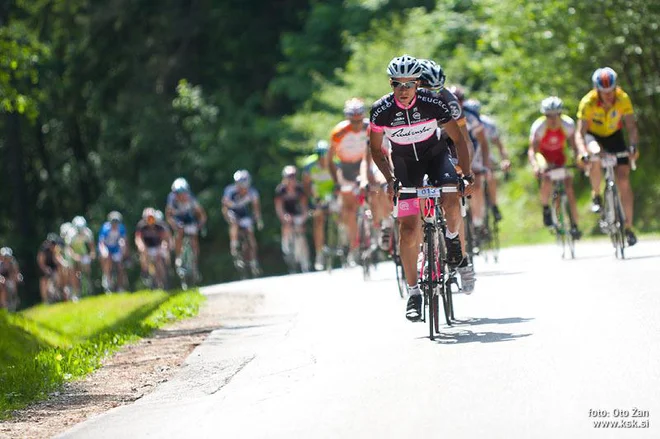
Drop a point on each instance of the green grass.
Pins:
(44, 346)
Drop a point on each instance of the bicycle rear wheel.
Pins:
(364, 238)
(568, 235)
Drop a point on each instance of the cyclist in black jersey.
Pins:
(410, 117)
(433, 78)
(291, 206)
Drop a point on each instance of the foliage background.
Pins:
(103, 104)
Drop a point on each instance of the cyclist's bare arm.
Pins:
(453, 130)
(307, 183)
(534, 147)
(139, 243)
(331, 161)
(383, 164)
(631, 127)
(279, 208)
(169, 217)
(580, 132)
(41, 261)
(304, 200)
(201, 214)
(468, 139)
(256, 207)
(485, 147)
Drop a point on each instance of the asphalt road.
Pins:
(544, 349)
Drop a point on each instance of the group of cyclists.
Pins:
(424, 132)
(421, 133)
(65, 259)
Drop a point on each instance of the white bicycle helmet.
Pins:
(6, 252)
(552, 104)
(242, 178)
(289, 171)
(354, 107)
(404, 66)
(79, 222)
(432, 74)
(180, 185)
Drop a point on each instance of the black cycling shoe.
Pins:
(575, 232)
(547, 216)
(496, 213)
(596, 203)
(414, 308)
(631, 238)
(454, 251)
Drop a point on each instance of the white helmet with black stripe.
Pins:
(404, 66)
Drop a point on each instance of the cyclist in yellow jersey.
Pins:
(601, 116)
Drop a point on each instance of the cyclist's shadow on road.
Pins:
(467, 336)
(462, 334)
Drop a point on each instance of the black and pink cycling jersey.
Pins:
(412, 129)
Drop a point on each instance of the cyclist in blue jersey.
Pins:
(112, 248)
(241, 206)
(186, 216)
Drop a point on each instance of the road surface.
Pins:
(544, 349)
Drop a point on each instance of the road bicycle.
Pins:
(436, 280)
(294, 247)
(613, 217)
(488, 236)
(335, 248)
(244, 254)
(365, 235)
(188, 271)
(562, 218)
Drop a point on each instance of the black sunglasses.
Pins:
(406, 85)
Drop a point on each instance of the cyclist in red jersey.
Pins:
(548, 137)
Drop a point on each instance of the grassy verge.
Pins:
(45, 346)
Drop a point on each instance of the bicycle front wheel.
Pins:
(621, 225)
(569, 241)
(429, 278)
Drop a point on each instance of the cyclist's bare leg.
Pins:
(233, 236)
(595, 175)
(144, 262)
(492, 187)
(622, 176)
(477, 202)
(3, 296)
(349, 217)
(452, 210)
(178, 242)
(570, 193)
(287, 244)
(194, 243)
(253, 245)
(410, 240)
(161, 271)
(545, 191)
(43, 288)
(319, 230)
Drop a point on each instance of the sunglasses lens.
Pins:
(405, 85)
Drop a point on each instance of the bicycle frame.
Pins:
(560, 210)
(434, 276)
(613, 217)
